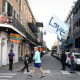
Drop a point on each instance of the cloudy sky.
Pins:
(43, 10)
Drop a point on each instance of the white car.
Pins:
(77, 58)
(54, 55)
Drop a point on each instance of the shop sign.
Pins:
(15, 38)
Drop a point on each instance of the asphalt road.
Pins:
(50, 65)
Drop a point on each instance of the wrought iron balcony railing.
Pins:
(76, 33)
(70, 40)
(76, 17)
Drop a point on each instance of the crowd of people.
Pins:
(28, 58)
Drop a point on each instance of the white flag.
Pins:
(57, 26)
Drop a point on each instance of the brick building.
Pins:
(16, 17)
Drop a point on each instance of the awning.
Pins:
(65, 47)
(12, 28)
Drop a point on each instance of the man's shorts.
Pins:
(37, 65)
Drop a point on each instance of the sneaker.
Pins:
(71, 71)
(30, 76)
(28, 71)
(42, 77)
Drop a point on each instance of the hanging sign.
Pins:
(15, 38)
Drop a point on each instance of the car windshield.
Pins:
(77, 56)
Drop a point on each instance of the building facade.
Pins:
(73, 40)
(17, 29)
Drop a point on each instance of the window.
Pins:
(14, 13)
(77, 56)
(14, 17)
(9, 10)
(3, 5)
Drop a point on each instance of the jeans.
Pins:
(73, 66)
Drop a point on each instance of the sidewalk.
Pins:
(16, 67)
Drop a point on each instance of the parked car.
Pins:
(54, 55)
(77, 58)
(44, 52)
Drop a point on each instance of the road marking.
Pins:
(12, 74)
(47, 71)
(78, 73)
(3, 79)
(27, 72)
(65, 72)
(6, 76)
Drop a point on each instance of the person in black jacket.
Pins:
(26, 61)
(63, 60)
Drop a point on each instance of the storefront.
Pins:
(6, 44)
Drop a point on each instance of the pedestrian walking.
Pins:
(26, 61)
(63, 60)
(37, 63)
(10, 57)
(73, 63)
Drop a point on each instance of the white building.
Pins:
(6, 45)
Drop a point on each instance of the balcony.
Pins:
(18, 26)
(76, 17)
(70, 40)
(64, 42)
(14, 23)
(4, 18)
(76, 33)
(33, 27)
(32, 39)
(32, 34)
